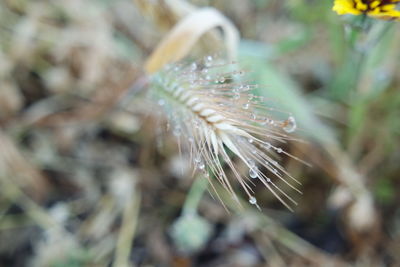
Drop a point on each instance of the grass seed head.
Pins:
(211, 112)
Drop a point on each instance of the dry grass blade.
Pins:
(13, 164)
(181, 39)
(127, 232)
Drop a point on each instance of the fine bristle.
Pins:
(212, 111)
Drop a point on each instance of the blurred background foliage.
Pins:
(86, 182)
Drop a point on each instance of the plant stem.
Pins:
(196, 192)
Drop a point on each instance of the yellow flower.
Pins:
(384, 9)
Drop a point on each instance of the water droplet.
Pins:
(236, 96)
(246, 106)
(253, 200)
(197, 159)
(267, 146)
(253, 116)
(222, 79)
(201, 165)
(264, 122)
(253, 173)
(209, 58)
(208, 77)
(251, 140)
(267, 121)
(289, 125)
(279, 150)
(193, 67)
(161, 102)
(268, 180)
(250, 97)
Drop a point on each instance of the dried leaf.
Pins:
(181, 39)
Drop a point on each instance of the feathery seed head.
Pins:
(213, 112)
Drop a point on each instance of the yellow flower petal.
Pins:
(345, 7)
(382, 9)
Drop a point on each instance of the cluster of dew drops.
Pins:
(289, 125)
(198, 75)
(201, 76)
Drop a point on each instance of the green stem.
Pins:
(196, 192)
(360, 54)
(357, 53)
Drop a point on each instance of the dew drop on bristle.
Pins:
(267, 146)
(201, 165)
(246, 106)
(161, 102)
(289, 125)
(253, 173)
(267, 121)
(253, 201)
(208, 61)
(279, 150)
(197, 159)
